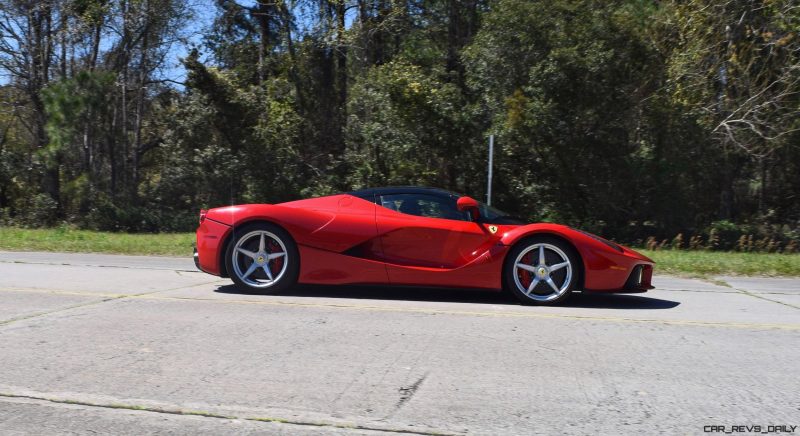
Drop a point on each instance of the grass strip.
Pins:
(64, 239)
(709, 263)
(682, 262)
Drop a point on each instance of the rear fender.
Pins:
(334, 223)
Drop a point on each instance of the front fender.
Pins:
(606, 265)
(516, 233)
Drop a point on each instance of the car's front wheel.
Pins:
(541, 270)
(262, 258)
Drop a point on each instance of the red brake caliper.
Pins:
(276, 265)
(524, 276)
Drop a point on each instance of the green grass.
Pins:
(707, 263)
(692, 263)
(86, 241)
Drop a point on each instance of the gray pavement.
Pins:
(132, 345)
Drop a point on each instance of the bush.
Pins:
(42, 211)
(109, 216)
(728, 236)
(725, 234)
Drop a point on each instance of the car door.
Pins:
(422, 232)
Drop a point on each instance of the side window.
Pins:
(370, 198)
(430, 206)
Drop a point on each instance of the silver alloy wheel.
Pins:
(252, 261)
(541, 272)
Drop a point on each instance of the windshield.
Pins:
(493, 215)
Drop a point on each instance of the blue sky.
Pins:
(204, 11)
(192, 34)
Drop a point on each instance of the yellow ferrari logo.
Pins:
(493, 229)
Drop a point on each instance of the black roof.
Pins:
(403, 190)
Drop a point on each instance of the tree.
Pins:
(628, 117)
(736, 65)
(564, 84)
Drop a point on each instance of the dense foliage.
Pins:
(631, 118)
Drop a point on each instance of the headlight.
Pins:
(603, 240)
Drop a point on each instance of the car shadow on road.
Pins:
(446, 295)
(596, 300)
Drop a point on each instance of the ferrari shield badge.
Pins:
(493, 229)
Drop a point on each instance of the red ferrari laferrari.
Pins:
(410, 236)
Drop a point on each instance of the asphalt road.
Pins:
(133, 345)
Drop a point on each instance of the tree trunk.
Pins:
(453, 29)
(261, 12)
(38, 22)
(137, 142)
(111, 141)
(125, 43)
(95, 45)
(762, 162)
(286, 15)
(341, 70)
(63, 34)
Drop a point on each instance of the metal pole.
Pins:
(491, 155)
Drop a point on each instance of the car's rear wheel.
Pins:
(541, 270)
(262, 258)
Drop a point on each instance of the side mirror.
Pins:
(469, 204)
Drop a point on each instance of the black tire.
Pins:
(248, 238)
(565, 278)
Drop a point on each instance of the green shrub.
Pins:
(42, 211)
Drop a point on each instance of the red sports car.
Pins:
(410, 236)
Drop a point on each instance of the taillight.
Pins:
(203, 213)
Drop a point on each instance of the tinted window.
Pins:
(496, 216)
(431, 206)
(368, 197)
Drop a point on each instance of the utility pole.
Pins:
(491, 156)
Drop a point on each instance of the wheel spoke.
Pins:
(263, 248)
(253, 267)
(534, 282)
(558, 273)
(552, 284)
(265, 267)
(247, 253)
(526, 267)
